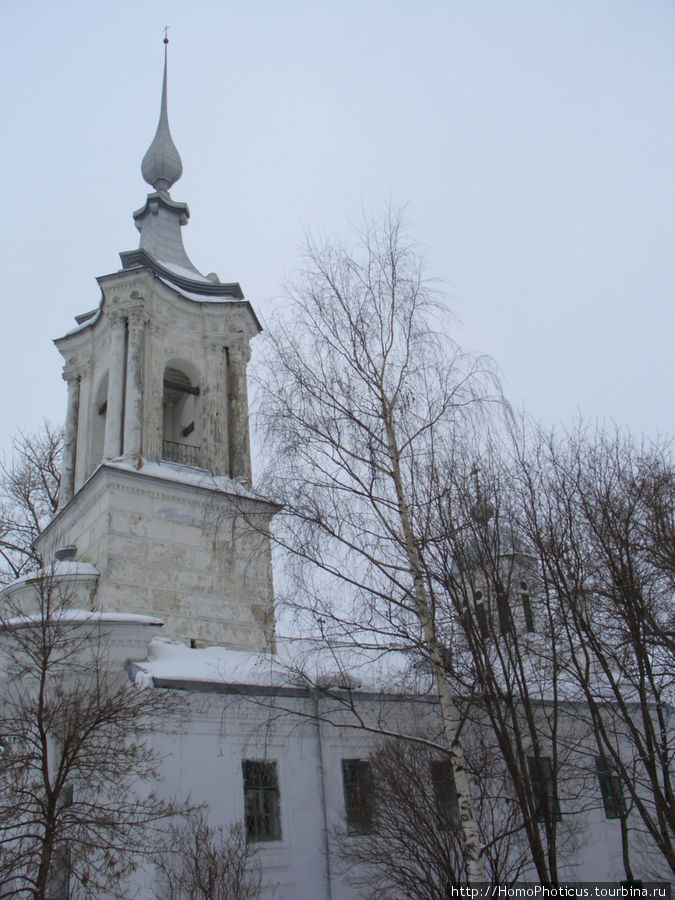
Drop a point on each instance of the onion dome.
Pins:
(162, 166)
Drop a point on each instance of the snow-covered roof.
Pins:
(303, 663)
(295, 663)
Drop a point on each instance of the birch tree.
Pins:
(361, 398)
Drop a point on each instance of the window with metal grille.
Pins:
(445, 794)
(261, 800)
(358, 787)
(611, 789)
(546, 805)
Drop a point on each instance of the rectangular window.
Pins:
(611, 789)
(504, 613)
(358, 788)
(481, 616)
(546, 805)
(261, 800)
(527, 607)
(445, 794)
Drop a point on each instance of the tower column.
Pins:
(83, 444)
(113, 428)
(215, 412)
(133, 406)
(67, 487)
(240, 449)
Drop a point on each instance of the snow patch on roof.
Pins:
(84, 324)
(194, 295)
(299, 663)
(193, 274)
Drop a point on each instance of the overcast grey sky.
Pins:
(533, 140)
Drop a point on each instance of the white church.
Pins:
(154, 532)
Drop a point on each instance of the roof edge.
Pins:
(133, 259)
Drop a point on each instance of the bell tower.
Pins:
(156, 487)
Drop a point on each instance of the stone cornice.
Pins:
(157, 485)
(127, 287)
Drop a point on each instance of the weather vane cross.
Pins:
(166, 34)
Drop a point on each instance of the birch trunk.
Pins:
(449, 713)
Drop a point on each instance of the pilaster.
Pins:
(239, 354)
(133, 408)
(83, 423)
(153, 392)
(215, 411)
(67, 486)
(114, 422)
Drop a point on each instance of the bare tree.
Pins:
(209, 863)
(410, 841)
(506, 660)
(29, 489)
(558, 560)
(599, 509)
(409, 526)
(361, 398)
(76, 767)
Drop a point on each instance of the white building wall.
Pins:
(202, 758)
(196, 557)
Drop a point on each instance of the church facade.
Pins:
(158, 520)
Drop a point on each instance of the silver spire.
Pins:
(162, 166)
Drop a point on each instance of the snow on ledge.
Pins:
(181, 473)
(76, 616)
(60, 570)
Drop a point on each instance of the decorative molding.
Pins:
(71, 372)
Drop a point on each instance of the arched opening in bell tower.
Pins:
(181, 431)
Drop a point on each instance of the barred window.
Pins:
(358, 787)
(611, 789)
(546, 805)
(445, 794)
(261, 800)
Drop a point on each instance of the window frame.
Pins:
(358, 795)
(481, 615)
(528, 612)
(445, 794)
(262, 808)
(504, 613)
(544, 789)
(611, 789)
